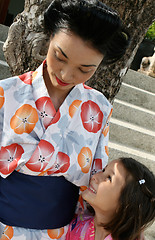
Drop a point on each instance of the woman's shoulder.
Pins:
(7, 84)
(5, 81)
(96, 95)
(23, 80)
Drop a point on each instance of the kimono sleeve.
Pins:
(102, 152)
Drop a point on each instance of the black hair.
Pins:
(136, 202)
(91, 20)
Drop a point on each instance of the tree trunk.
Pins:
(26, 45)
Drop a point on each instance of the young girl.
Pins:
(52, 126)
(123, 199)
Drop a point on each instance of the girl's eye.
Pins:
(109, 178)
(103, 170)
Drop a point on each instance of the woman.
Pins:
(52, 125)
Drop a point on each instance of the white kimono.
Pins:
(37, 140)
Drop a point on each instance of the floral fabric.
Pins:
(82, 228)
(37, 140)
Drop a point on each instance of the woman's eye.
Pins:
(59, 59)
(103, 170)
(85, 71)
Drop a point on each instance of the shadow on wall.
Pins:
(15, 7)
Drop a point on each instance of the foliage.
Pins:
(151, 32)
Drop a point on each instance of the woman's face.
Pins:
(105, 188)
(70, 60)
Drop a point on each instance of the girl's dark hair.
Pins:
(91, 20)
(137, 202)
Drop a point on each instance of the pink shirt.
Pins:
(82, 227)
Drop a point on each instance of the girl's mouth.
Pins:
(91, 189)
(61, 83)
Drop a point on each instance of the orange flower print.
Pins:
(107, 150)
(61, 164)
(34, 74)
(46, 111)
(1, 97)
(83, 188)
(55, 233)
(73, 107)
(110, 114)
(85, 159)
(97, 165)
(41, 156)
(91, 116)
(9, 157)
(24, 120)
(26, 77)
(80, 200)
(7, 233)
(105, 130)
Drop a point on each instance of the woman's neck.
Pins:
(57, 95)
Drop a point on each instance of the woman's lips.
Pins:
(61, 83)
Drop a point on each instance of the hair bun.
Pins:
(91, 20)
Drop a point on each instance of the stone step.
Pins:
(150, 232)
(4, 70)
(119, 150)
(140, 80)
(136, 115)
(1, 51)
(3, 32)
(137, 96)
(132, 136)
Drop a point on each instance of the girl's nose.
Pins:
(98, 177)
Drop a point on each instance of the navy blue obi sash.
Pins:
(37, 202)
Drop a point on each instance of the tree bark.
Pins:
(26, 45)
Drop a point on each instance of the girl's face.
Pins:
(105, 188)
(70, 60)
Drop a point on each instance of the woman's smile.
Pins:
(60, 82)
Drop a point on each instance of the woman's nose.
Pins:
(67, 75)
